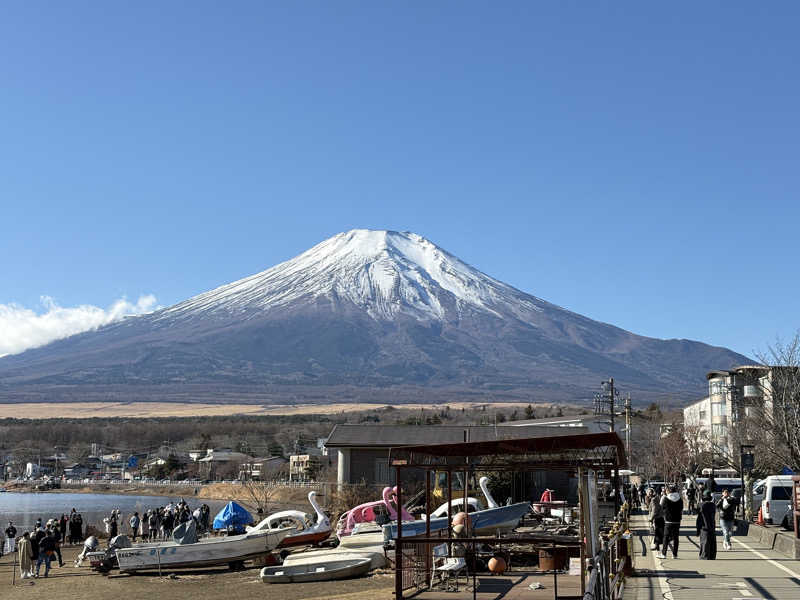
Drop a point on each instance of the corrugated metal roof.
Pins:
(387, 436)
(556, 445)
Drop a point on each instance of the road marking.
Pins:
(745, 592)
(662, 581)
(769, 560)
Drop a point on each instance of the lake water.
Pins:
(24, 508)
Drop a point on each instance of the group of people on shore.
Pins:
(666, 511)
(158, 523)
(43, 544)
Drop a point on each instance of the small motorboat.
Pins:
(186, 551)
(306, 530)
(317, 571)
(380, 511)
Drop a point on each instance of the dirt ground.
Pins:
(70, 583)
(35, 410)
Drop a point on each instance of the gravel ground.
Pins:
(69, 583)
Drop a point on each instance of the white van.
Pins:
(777, 497)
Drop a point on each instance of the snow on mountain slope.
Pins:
(373, 313)
(385, 272)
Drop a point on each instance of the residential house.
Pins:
(217, 463)
(262, 469)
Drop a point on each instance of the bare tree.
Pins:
(261, 494)
(780, 410)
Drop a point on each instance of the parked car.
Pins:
(777, 499)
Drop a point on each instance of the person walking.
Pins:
(26, 557)
(46, 551)
(707, 528)
(35, 538)
(56, 534)
(727, 505)
(691, 498)
(656, 518)
(672, 504)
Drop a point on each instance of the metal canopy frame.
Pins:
(596, 451)
(599, 451)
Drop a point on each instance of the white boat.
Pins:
(319, 571)
(202, 553)
(487, 521)
(306, 530)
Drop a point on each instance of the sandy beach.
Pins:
(70, 583)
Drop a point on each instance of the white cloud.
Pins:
(22, 328)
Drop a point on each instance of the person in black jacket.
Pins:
(727, 510)
(11, 536)
(707, 528)
(47, 548)
(691, 496)
(672, 504)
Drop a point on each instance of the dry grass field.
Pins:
(80, 410)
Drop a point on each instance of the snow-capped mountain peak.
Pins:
(387, 273)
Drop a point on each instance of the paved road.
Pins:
(747, 572)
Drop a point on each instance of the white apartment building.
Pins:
(730, 395)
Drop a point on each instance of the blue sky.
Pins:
(636, 164)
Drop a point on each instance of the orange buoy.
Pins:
(497, 565)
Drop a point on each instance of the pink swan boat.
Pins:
(372, 512)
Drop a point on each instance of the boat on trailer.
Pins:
(182, 552)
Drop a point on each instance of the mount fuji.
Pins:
(366, 315)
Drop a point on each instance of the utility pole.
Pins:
(605, 403)
(628, 426)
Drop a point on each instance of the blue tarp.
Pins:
(232, 514)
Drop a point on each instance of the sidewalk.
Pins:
(747, 572)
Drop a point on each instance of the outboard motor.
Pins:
(89, 545)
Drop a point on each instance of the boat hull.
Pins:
(304, 539)
(204, 553)
(483, 522)
(318, 571)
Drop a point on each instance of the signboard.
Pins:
(748, 462)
